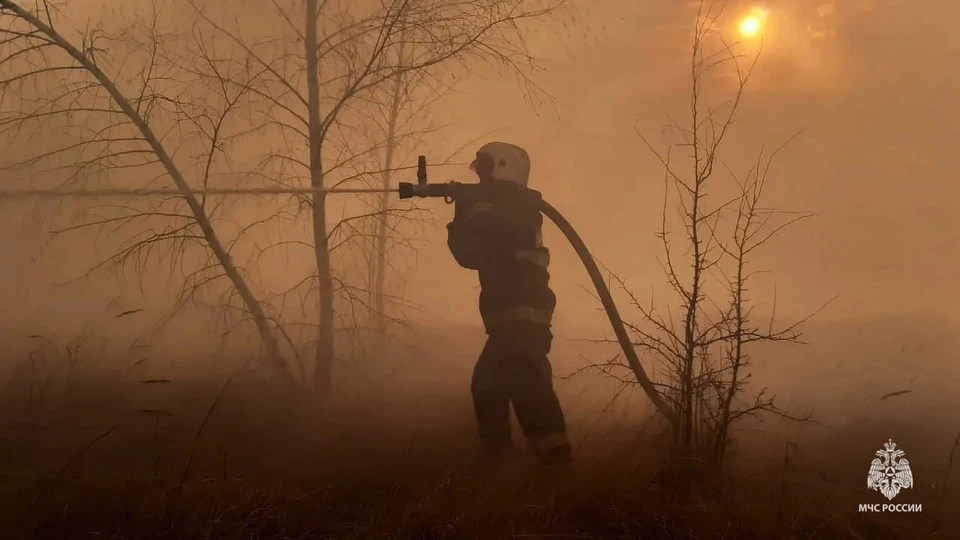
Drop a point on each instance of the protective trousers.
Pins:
(514, 367)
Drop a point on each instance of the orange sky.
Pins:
(870, 83)
(875, 101)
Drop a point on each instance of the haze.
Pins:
(868, 88)
(869, 83)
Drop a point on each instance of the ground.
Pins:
(118, 455)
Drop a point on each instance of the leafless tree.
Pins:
(399, 99)
(754, 226)
(322, 74)
(704, 347)
(104, 116)
(289, 106)
(682, 348)
(406, 120)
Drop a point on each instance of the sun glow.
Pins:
(750, 27)
(752, 24)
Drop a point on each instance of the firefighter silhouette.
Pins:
(496, 230)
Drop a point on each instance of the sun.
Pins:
(750, 27)
(753, 24)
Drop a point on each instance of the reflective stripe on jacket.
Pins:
(497, 231)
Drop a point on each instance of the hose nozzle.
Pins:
(422, 188)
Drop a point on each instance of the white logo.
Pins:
(890, 472)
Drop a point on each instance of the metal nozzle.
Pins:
(406, 190)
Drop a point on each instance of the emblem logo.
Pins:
(890, 471)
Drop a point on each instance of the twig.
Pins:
(893, 394)
(783, 479)
(196, 436)
(62, 471)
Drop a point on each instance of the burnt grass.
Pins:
(118, 455)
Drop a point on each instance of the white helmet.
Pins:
(510, 162)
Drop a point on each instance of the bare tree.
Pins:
(754, 226)
(255, 101)
(704, 346)
(682, 348)
(320, 78)
(405, 122)
(395, 105)
(115, 119)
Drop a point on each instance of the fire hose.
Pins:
(452, 190)
(449, 191)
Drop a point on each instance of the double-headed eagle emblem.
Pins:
(889, 472)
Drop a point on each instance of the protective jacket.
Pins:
(496, 230)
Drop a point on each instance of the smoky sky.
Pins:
(870, 86)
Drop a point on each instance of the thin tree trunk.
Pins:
(223, 257)
(380, 277)
(736, 360)
(690, 324)
(323, 368)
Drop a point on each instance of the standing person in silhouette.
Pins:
(496, 230)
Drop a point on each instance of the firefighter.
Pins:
(496, 230)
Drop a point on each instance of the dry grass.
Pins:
(109, 456)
